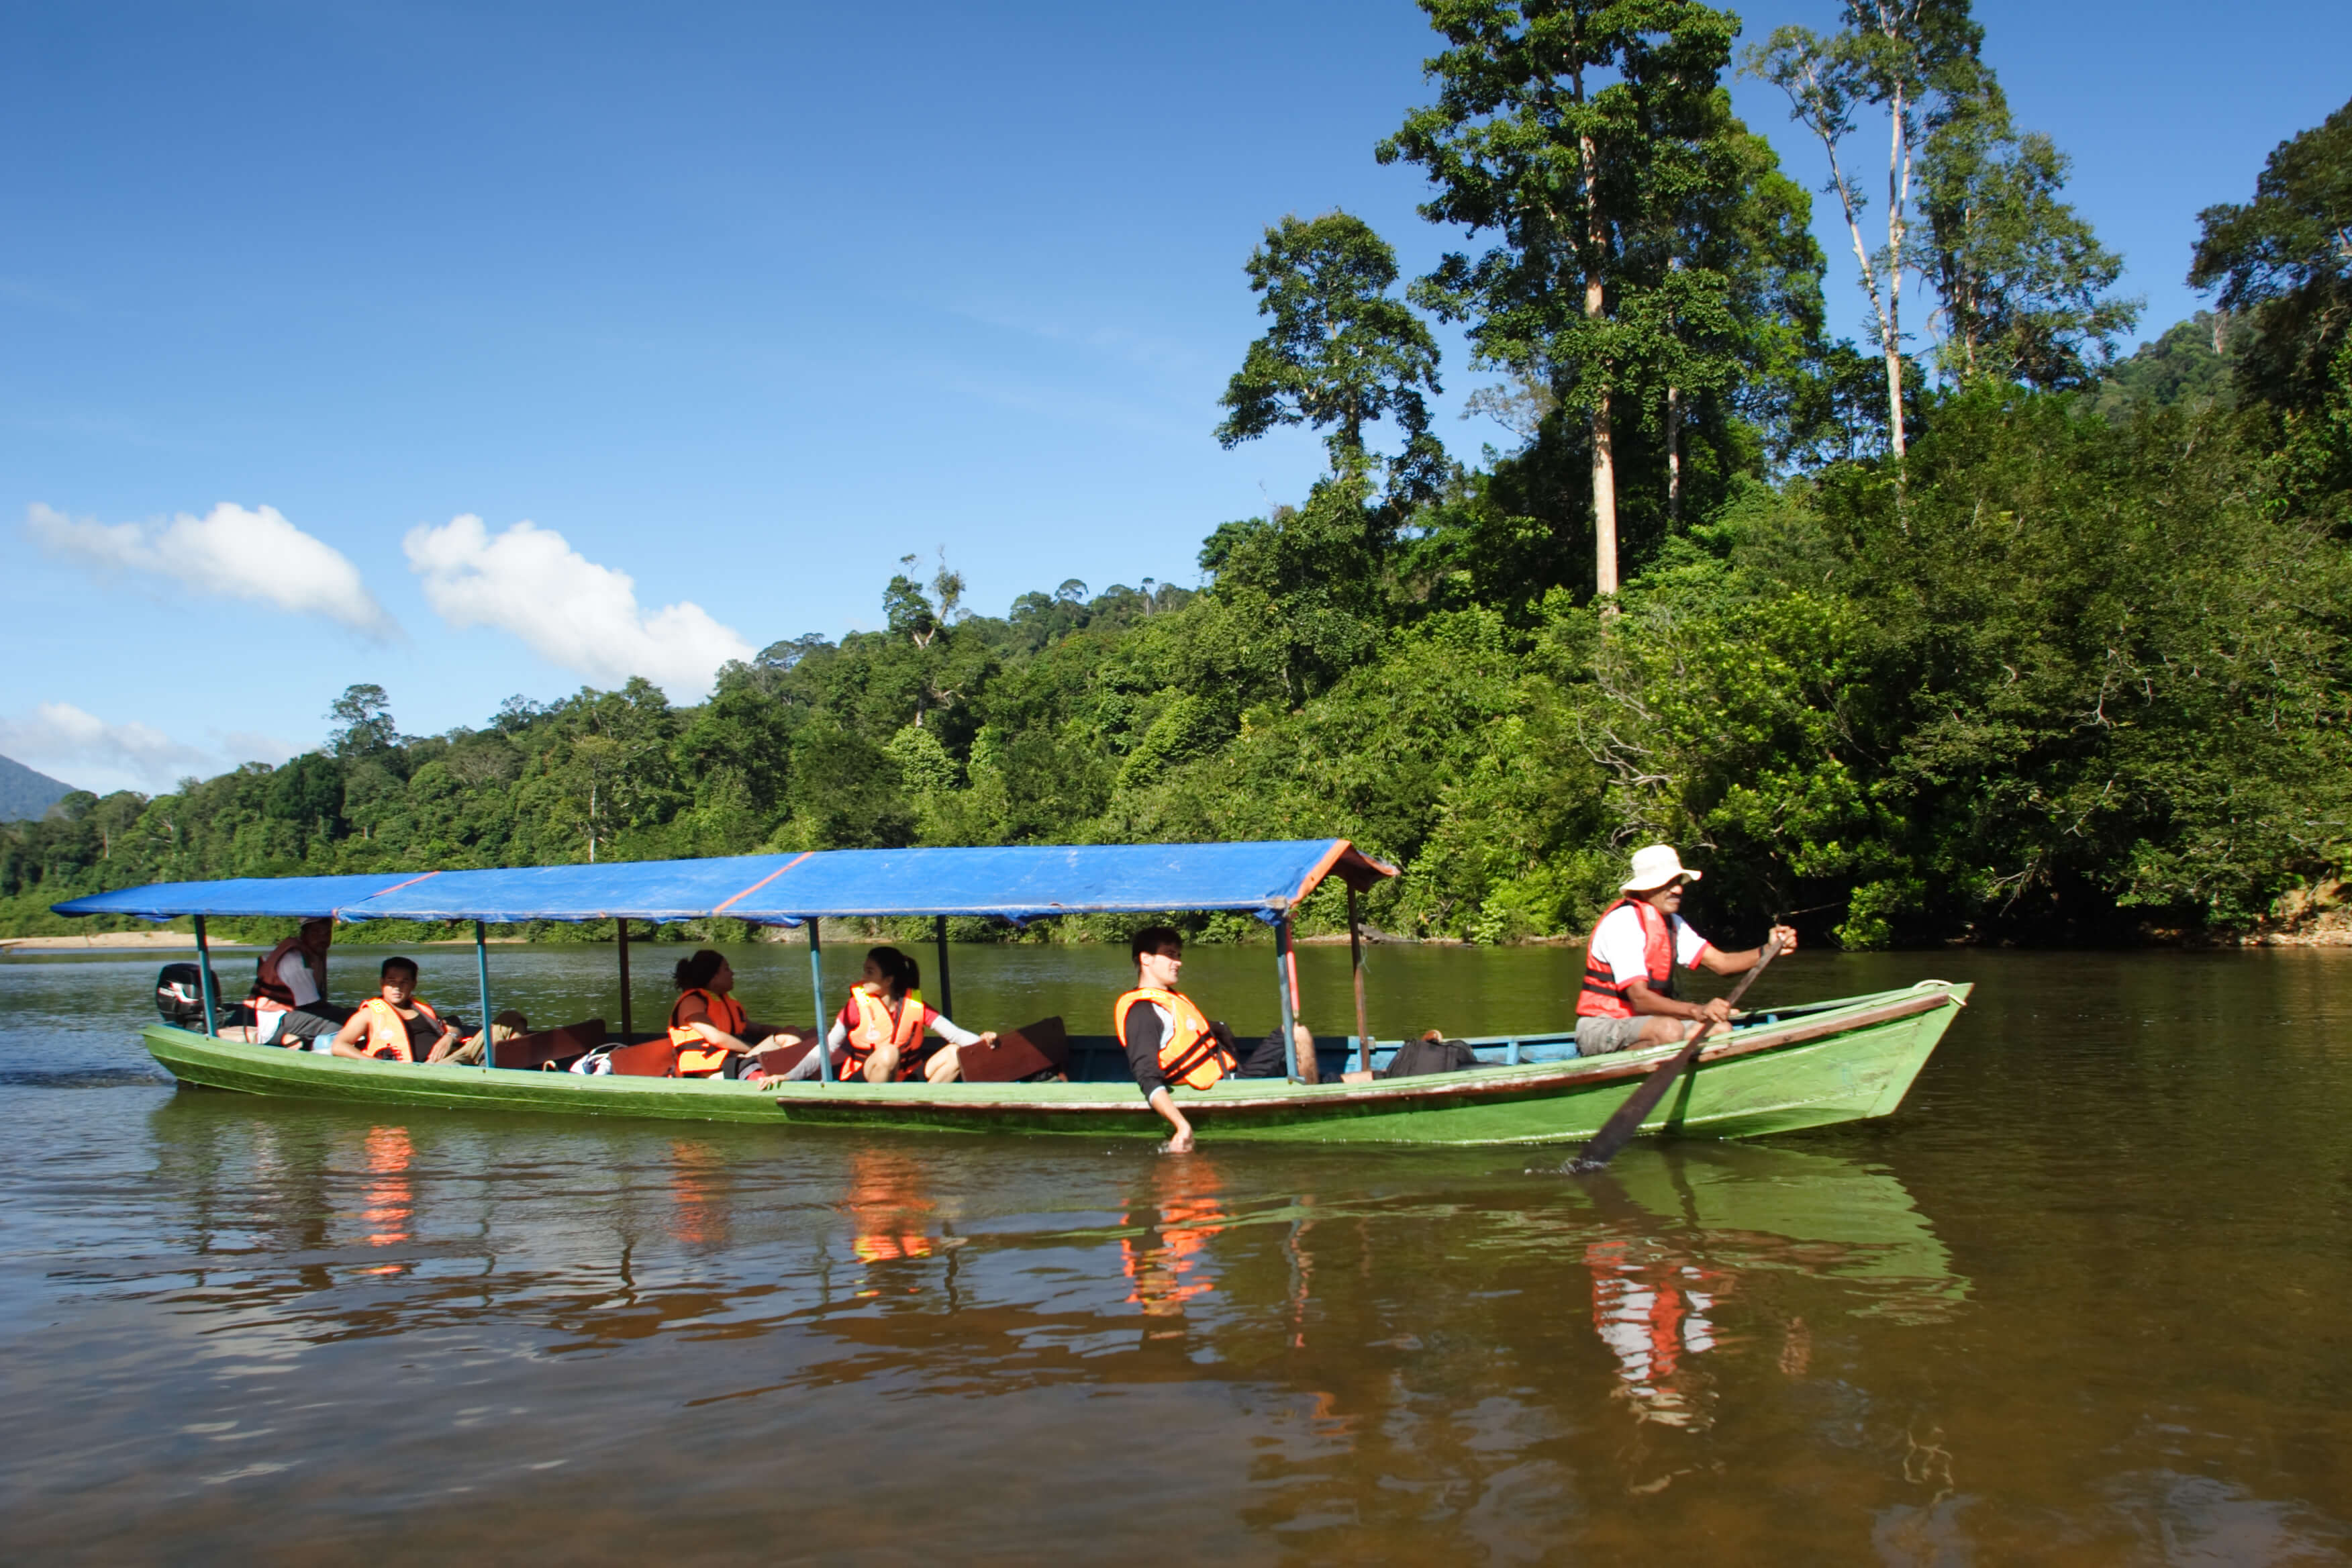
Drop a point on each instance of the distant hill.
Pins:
(2190, 365)
(26, 794)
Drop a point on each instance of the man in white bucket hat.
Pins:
(1628, 998)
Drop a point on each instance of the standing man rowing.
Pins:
(1628, 998)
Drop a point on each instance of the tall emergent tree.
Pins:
(2286, 260)
(1575, 131)
(2022, 280)
(1343, 351)
(1914, 59)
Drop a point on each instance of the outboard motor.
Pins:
(180, 998)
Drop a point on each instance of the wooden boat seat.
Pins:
(1042, 1046)
(545, 1045)
(655, 1058)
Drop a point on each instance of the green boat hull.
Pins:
(1842, 1062)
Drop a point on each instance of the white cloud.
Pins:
(229, 551)
(85, 750)
(572, 612)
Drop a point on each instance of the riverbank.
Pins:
(115, 941)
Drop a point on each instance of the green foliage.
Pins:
(2080, 663)
(1342, 352)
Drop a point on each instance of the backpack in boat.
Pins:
(1429, 1054)
(180, 997)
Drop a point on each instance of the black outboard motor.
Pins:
(180, 998)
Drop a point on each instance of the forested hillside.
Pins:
(1996, 640)
(25, 793)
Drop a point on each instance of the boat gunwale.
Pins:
(1485, 1080)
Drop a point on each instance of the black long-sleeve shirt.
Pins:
(1144, 1032)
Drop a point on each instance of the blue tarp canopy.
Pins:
(627, 890)
(1020, 883)
(295, 896)
(1030, 881)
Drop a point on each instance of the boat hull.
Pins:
(1844, 1062)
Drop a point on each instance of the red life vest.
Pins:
(697, 1058)
(272, 994)
(387, 1031)
(875, 1028)
(1191, 1055)
(1603, 997)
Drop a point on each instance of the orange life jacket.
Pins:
(876, 1028)
(387, 1031)
(697, 1058)
(1190, 1055)
(1603, 997)
(271, 994)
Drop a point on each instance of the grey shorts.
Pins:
(1599, 1037)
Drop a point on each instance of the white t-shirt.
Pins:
(294, 974)
(1617, 943)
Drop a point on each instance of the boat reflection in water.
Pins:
(1377, 1350)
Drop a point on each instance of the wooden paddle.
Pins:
(1619, 1130)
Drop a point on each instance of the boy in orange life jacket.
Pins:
(1169, 1045)
(396, 1024)
(1628, 998)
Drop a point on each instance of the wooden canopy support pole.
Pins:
(816, 990)
(482, 978)
(1356, 958)
(947, 992)
(1286, 981)
(204, 981)
(628, 1026)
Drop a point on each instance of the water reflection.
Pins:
(1985, 1331)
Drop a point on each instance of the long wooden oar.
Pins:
(1619, 1130)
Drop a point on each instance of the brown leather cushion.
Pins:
(774, 1061)
(549, 1044)
(1042, 1046)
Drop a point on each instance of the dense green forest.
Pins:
(1973, 631)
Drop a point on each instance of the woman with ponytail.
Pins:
(879, 1035)
(707, 1025)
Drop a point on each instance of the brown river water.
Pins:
(2083, 1300)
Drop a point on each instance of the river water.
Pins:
(2083, 1300)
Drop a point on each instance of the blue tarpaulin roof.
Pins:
(1020, 883)
(296, 897)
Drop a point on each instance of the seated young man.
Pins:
(396, 1024)
(1169, 1043)
(289, 990)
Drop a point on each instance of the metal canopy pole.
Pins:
(482, 978)
(1286, 981)
(947, 995)
(627, 1027)
(1356, 955)
(816, 990)
(204, 981)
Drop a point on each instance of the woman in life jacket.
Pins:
(396, 1024)
(1628, 1000)
(707, 1025)
(878, 1035)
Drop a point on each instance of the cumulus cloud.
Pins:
(85, 750)
(231, 551)
(572, 612)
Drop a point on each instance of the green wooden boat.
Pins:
(1831, 1062)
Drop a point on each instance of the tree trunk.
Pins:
(1673, 454)
(1604, 461)
(1898, 190)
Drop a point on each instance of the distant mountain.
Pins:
(26, 794)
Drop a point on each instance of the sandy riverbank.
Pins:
(115, 940)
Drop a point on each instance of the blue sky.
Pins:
(738, 305)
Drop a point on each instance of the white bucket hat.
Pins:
(1654, 866)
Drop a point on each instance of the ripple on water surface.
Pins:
(2075, 1304)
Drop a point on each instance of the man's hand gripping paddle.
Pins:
(1619, 1130)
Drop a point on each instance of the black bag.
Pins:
(180, 998)
(1416, 1058)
